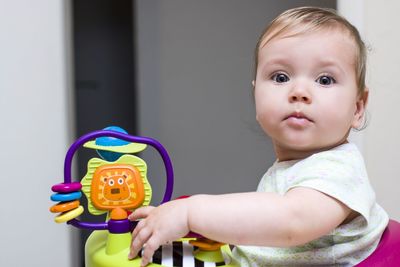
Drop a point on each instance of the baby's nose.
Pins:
(300, 98)
(300, 93)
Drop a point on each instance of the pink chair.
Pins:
(388, 251)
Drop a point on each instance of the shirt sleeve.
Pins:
(339, 174)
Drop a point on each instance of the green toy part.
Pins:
(124, 149)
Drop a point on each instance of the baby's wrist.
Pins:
(193, 210)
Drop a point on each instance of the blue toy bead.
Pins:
(66, 197)
(112, 141)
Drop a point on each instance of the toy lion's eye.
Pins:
(120, 181)
(111, 182)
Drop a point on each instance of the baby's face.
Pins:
(306, 91)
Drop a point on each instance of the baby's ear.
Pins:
(361, 105)
(364, 96)
(253, 82)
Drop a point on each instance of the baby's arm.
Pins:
(265, 219)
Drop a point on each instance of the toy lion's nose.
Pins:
(115, 191)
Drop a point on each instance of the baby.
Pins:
(315, 205)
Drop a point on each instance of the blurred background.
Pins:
(178, 71)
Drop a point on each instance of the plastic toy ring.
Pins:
(66, 188)
(64, 206)
(66, 197)
(69, 215)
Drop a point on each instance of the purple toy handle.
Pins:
(144, 140)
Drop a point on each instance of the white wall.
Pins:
(34, 131)
(379, 21)
(382, 135)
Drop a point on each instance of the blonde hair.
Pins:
(307, 19)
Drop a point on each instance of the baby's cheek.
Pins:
(334, 130)
(267, 121)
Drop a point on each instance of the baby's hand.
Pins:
(158, 226)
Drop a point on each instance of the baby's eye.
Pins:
(325, 80)
(280, 78)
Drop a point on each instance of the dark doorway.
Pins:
(104, 68)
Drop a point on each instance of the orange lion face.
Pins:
(117, 185)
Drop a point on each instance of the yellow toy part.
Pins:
(69, 215)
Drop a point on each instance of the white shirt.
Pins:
(339, 173)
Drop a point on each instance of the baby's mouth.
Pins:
(298, 118)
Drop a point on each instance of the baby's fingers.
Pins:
(140, 213)
(139, 237)
(151, 246)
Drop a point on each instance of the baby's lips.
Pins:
(298, 115)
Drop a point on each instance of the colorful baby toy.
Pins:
(117, 184)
